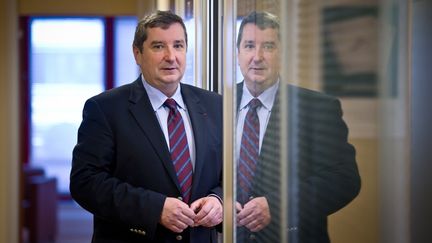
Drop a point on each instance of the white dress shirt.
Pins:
(264, 111)
(157, 99)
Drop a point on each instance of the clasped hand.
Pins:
(254, 215)
(177, 215)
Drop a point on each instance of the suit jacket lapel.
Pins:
(198, 117)
(143, 112)
(270, 153)
(271, 145)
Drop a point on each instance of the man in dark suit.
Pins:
(148, 161)
(321, 171)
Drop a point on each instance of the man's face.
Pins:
(163, 57)
(259, 58)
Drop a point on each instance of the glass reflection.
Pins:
(322, 175)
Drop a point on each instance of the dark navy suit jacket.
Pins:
(322, 175)
(122, 170)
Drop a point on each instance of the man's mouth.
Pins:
(169, 68)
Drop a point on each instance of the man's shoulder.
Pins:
(115, 97)
(310, 93)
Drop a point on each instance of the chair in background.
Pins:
(40, 205)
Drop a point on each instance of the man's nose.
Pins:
(258, 54)
(169, 54)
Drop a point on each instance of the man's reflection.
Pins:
(322, 171)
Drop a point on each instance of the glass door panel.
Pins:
(331, 78)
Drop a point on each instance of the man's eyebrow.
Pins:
(156, 42)
(249, 41)
(269, 42)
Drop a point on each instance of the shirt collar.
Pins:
(267, 97)
(157, 98)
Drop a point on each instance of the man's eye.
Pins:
(249, 46)
(157, 47)
(269, 47)
(179, 46)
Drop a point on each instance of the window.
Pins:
(66, 68)
(125, 68)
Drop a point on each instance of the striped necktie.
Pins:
(249, 151)
(179, 149)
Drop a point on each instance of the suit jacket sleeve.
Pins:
(93, 184)
(332, 179)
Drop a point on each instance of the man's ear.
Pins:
(136, 52)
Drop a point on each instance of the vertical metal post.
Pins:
(394, 124)
(288, 22)
(201, 43)
(228, 76)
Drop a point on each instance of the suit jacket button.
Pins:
(180, 198)
(294, 228)
(179, 237)
(252, 237)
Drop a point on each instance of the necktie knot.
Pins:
(254, 104)
(171, 104)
